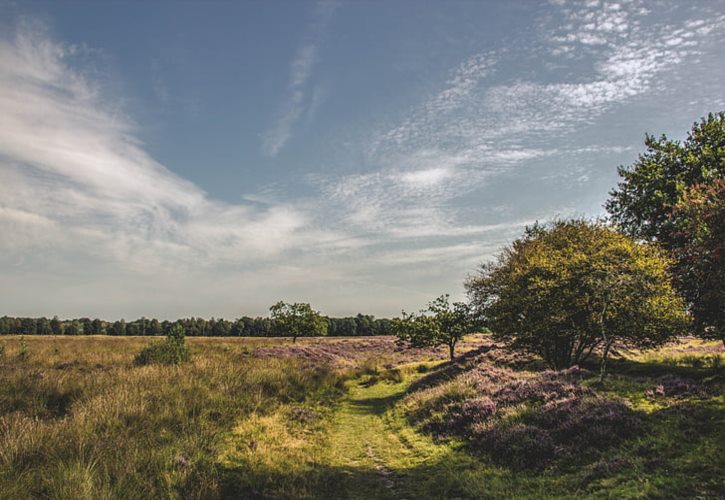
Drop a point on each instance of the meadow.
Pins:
(355, 418)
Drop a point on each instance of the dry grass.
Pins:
(79, 420)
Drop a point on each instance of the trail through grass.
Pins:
(368, 442)
(365, 449)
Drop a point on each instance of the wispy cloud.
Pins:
(492, 115)
(72, 169)
(297, 98)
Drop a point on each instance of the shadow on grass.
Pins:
(450, 369)
(449, 476)
(375, 405)
(654, 369)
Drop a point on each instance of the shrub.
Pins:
(23, 352)
(171, 351)
(573, 288)
(2, 350)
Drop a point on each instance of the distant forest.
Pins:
(359, 325)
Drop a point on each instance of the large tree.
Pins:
(672, 194)
(700, 251)
(297, 320)
(442, 323)
(565, 289)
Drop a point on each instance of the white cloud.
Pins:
(296, 100)
(72, 170)
(426, 177)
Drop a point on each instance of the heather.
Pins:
(501, 406)
(521, 418)
(384, 351)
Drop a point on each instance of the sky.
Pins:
(174, 159)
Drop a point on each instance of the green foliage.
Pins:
(565, 289)
(442, 323)
(673, 194)
(297, 320)
(700, 252)
(23, 352)
(171, 351)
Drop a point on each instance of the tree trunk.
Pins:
(294, 339)
(603, 364)
(451, 348)
(607, 343)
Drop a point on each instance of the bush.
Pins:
(23, 352)
(171, 351)
(573, 288)
(2, 350)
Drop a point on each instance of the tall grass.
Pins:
(79, 420)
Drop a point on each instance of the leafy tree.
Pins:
(700, 251)
(97, 327)
(73, 327)
(6, 325)
(43, 326)
(660, 198)
(155, 328)
(442, 323)
(118, 328)
(56, 327)
(28, 326)
(221, 328)
(297, 320)
(86, 326)
(568, 288)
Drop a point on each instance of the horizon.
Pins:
(209, 159)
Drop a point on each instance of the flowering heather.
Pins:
(520, 445)
(582, 422)
(672, 385)
(354, 352)
(522, 419)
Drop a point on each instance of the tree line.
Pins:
(360, 325)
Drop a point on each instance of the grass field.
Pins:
(349, 418)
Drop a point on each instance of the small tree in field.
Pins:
(566, 289)
(442, 323)
(297, 320)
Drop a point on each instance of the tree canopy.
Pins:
(297, 320)
(570, 287)
(699, 251)
(673, 194)
(441, 323)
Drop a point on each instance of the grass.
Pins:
(78, 419)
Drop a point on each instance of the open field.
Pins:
(354, 418)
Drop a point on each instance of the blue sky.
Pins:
(171, 159)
